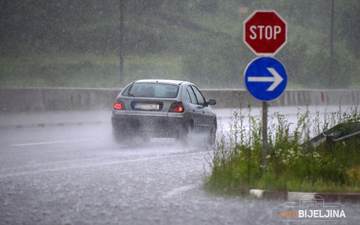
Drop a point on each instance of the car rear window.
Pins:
(153, 90)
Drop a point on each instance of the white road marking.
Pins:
(24, 173)
(47, 143)
(180, 190)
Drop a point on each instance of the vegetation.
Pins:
(199, 40)
(293, 164)
(84, 69)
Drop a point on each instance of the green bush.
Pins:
(292, 163)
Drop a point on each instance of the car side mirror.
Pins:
(211, 102)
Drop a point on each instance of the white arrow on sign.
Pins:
(276, 79)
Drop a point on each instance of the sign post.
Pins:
(264, 132)
(265, 33)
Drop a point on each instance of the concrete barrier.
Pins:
(65, 99)
(55, 99)
(233, 98)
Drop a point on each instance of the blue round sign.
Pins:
(265, 78)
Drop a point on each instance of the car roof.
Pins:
(162, 81)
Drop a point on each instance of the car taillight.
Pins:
(177, 107)
(119, 105)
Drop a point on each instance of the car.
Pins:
(163, 108)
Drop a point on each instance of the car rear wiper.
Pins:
(130, 94)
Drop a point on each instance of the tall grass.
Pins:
(293, 164)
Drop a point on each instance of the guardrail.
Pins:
(65, 99)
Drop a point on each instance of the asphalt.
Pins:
(63, 118)
(48, 119)
(73, 118)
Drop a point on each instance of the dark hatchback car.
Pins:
(162, 108)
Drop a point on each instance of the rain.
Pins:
(63, 63)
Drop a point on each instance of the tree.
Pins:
(349, 24)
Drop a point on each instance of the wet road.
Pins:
(77, 175)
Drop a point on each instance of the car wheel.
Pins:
(118, 136)
(146, 138)
(186, 134)
(212, 135)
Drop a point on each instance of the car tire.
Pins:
(119, 136)
(186, 134)
(212, 135)
(146, 138)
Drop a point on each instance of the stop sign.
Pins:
(265, 32)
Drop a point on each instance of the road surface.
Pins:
(73, 173)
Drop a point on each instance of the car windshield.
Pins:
(153, 90)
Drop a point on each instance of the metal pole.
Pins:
(264, 132)
(122, 40)
(332, 45)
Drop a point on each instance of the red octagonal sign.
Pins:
(265, 32)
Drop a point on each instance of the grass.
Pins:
(154, 66)
(94, 70)
(292, 164)
(84, 70)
